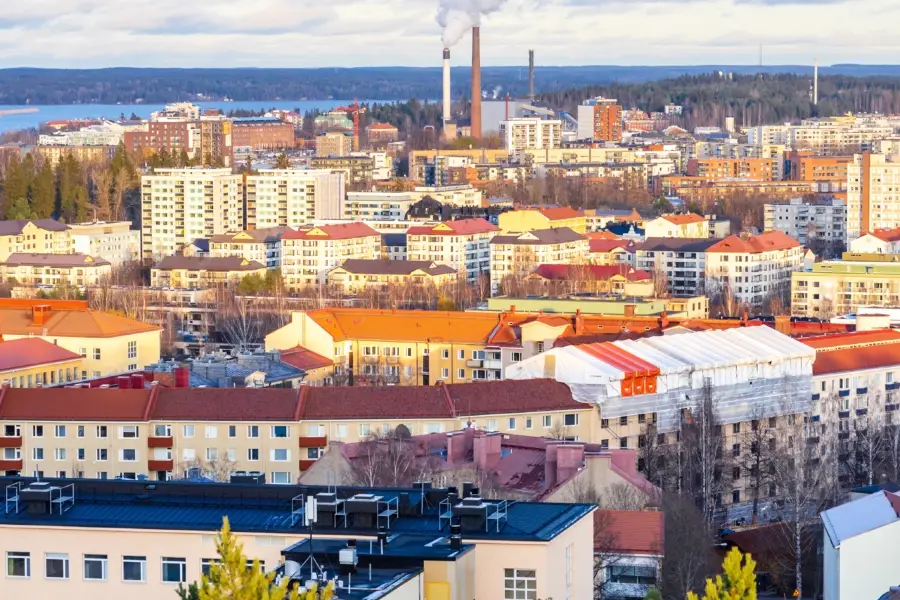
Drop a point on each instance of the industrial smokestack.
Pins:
(446, 85)
(476, 83)
(531, 76)
(816, 82)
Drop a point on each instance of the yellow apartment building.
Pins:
(109, 344)
(41, 236)
(308, 255)
(198, 273)
(531, 219)
(33, 362)
(835, 288)
(518, 255)
(52, 270)
(355, 276)
(256, 245)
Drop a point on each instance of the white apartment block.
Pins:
(687, 225)
(293, 197)
(378, 206)
(309, 254)
(873, 194)
(521, 254)
(754, 268)
(457, 195)
(259, 245)
(835, 139)
(880, 241)
(115, 241)
(807, 222)
(107, 134)
(179, 206)
(681, 260)
(463, 244)
(768, 134)
(530, 133)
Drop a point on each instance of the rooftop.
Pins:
(766, 242)
(860, 516)
(395, 267)
(30, 352)
(54, 260)
(271, 234)
(63, 318)
(683, 219)
(598, 272)
(305, 359)
(887, 235)
(15, 227)
(208, 263)
(676, 245)
(554, 235)
(458, 227)
(628, 531)
(332, 232)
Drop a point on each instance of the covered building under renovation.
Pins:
(750, 372)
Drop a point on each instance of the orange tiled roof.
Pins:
(887, 235)
(628, 531)
(332, 232)
(460, 227)
(683, 219)
(771, 240)
(558, 214)
(65, 319)
(30, 352)
(602, 235)
(853, 339)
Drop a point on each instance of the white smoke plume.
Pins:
(456, 17)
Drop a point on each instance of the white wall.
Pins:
(868, 565)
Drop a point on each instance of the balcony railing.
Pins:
(11, 465)
(160, 465)
(306, 464)
(313, 441)
(11, 442)
(159, 442)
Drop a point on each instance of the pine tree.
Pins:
(19, 210)
(15, 184)
(282, 162)
(738, 581)
(230, 579)
(43, 193)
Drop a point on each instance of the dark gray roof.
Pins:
(555, 235)
(15, 227)
(208, 263)
(675, 245)
(394, 267)
(393, 239)
(54, 260)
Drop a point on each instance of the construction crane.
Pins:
(354, 110)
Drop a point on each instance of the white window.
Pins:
(232, 431)
(212, 432)
(547, 421)
(95, 567)
(102, 454)
(445, 373)
(162, 430)
(128, 431)
(128, 455)
(528, 423)
(60, 454)
(434, 428)
(511, 425)
(12, 453)
(37, 453)
(340, 431)
(188, 454)
(134, 568)
(280, 455)
(491, 425)
(80, 454)
(460, 373)
(314, 430)
(516, 357)
(461, 354)
(206, 566)
(56, 566)
(59, 431)
(37, 431)
(102, 431)
(278, 431)
(12, 431)
(174, 570)
(162, 454)
(132, 349)
(96, 353)
(18, 564)
(365, 430)
(212, 454)
(187, 431)
(520, 584)
(253, 454)
(252, 431)
(445, 353)
(281, 478)
(570, 420)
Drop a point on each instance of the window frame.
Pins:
(173, 561)
(134, 559)
(18, 555)
(103, 559)
(62, 557)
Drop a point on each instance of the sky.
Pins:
(316, 33)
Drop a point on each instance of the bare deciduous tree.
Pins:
(688, 557)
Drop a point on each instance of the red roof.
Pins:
(29, 352)
(305, 359)
(771, 240)
(332, 232)
(602, 235)
(498, 397)
(628, 531)
(558, 214)
(602, 245)
(73, 404)
(844, 352)
(460, 227)
(598, 272)
(856, 338)
(887, 235)
(365, 402)
(383, 126)
(228, 404)
(683, 219)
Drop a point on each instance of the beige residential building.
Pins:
(200, 273)
(687, 225)
(33, 362)
(41, 236)
(530, 133)
(873, 194)
(463, 245)
(292, 197)
(520, 254)
(840, 287)
(307, 255)
(179, 206)
(256, 245)
(356, 276)
(879, 241)
(337, 142)
(529, 219)
(53, 270)
(115, 242)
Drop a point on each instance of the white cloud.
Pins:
(312, 33)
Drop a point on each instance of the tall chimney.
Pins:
(816, 83)
(446, 85)
(531, 76)
(476, 83)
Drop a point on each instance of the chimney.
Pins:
(486, 449)
(569, 459)
(475, 108)
(531, 76)
(446, 106)
(459, 444)
(40, 314)
(550, 462)
(579, 322)
(182, 377)
(783, 324)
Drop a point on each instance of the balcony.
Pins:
(11, 465)
(313, 441)
(475, 364)
(11, 442)
(493, 364)
(159, 442)
(306, 464)
(160, 465)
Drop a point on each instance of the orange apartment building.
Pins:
(704, 190)
(262, 133)
(759, 169)
(829, 173)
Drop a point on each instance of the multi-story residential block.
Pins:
(356, 276)
(837, 136)
(262, 133)
(686, 225)
(597, 219)
(41, 236)
(753, 269)
(216, 139)
(600, 119)
(818, 225)
(523, 133)
(518, 255)
(256, 245)
(115, 242)
(829, 173)
(601, 280)
(769, 134)
(173, 135)
(758, 169)
(707, 191)
(463, 245)
(873, 194)
(880, 241)
(393, 246)
(307, 255)
(455, 195)
(53, 270)
(356, 168)
(834, 288)
(293, 198)
(681, 261)
(611, 252)
(335, 142)
(84, 154)
(199, 273)
(179, 206)
(381, 133)
(33, 362)
(530, 219)
(109, 344)
(378, 206)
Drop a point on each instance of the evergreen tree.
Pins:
(69, 180)
(43, 193)
(738, 581)
(15, 184)
(19, 210)
(282, 162)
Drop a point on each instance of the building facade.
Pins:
(873, 194)
(530, 219)
(293, 198)
(834, 288)
(54, 270)
(524, 133)
(115, 242)
(519, 255)
(356, 276)
(308, 255)
(200, 273)
(814, 225)
(262, 133)
(334, 143)
(686, 225)
(463, 245)
(682, 261)
(256, 245)
(600, 119)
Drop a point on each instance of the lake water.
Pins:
(114, 111)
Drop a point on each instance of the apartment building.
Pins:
(115, 242)
(619, 280)
(530, 219)
(707, 191)
(256, 245)
(832, 138)
(356, 168)
(292, 198)
(109, 344)
(262, 133)
(217, 139)
(355, 276)
(518, 255)
(611, 252)
(834, 288)
(815, 225)
(753, 269)
(179, 206)
(201, 272)
(769, 134)
(873, 194)
(600, 119)
(53, 155)
(681, 260)
(524, 133)
(33, 362)
(308, 255)
(53, 270)
(687, 225)
(879, 241)
(757, 169)
(378, 206)
(463, 245)
(337, 142)
(829, 173)
(41, 236)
